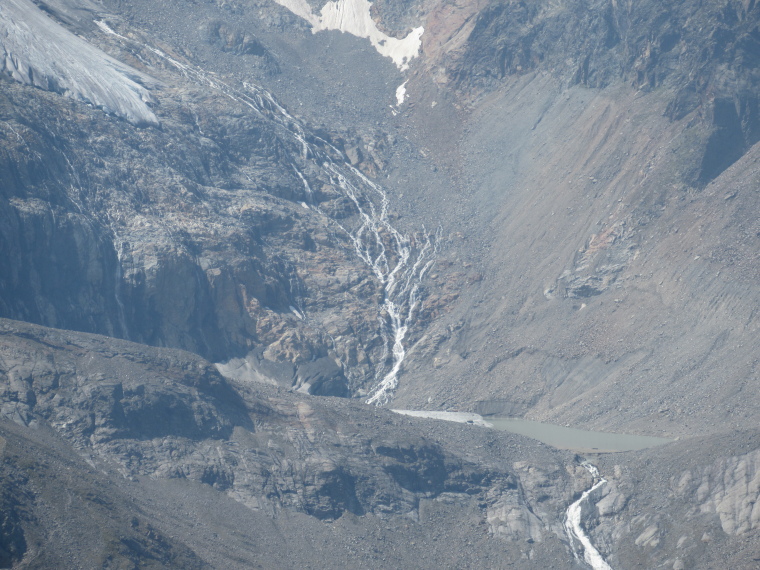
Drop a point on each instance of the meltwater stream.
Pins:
(580, 543)
(398, 261)
(574, 527)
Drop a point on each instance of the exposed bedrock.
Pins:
(204, 242)
(166, 414)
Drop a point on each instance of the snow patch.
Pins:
(241, 370)
(37, 51)
(353, 17)
(400, 94)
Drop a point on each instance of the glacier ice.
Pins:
(36, 50)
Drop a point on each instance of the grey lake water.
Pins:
(576, 439)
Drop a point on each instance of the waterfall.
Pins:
(397, 260)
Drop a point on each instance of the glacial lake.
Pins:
(575, 439)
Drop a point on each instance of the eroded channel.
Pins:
(568, 438)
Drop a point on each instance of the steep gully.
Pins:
(398, 261)
(573, 517)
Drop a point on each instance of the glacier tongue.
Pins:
(35, 50)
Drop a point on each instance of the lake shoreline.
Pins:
(557, 436)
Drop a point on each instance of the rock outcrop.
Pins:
(168, 415)
(654, 512)
(224, 232)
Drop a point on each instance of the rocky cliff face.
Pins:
(658, 514)
(229, 231)
(145, 414)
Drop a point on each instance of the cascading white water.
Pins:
(574, 527)
(398, 261)
(398, 264)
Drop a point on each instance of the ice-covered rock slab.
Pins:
(36, 50)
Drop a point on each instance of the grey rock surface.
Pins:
(216, 235)
(162, 415)
(658, 513)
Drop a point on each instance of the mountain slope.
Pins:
(548, 210)
(605, 228)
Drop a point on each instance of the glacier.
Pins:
(35, 50)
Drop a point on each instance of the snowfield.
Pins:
(353, 17)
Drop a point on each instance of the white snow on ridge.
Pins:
(35, 50)
(353, 17)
